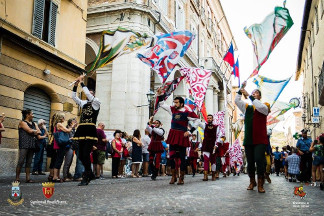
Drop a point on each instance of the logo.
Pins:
(48, 189)
(299, 191)
(15, 198)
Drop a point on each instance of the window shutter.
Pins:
(52, 24)
(38, 18)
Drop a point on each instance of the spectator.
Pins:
(28, 131)
(60, 150)
(41, 142)
(277, 158)
(123, 157)
(284, 163)
(100, 151)
(146, 141)
(303, 145)
(67, 177)
(2, 128)
(116, 144)
(318, 154)
(136, 152)
(163, 157)
(293, 161)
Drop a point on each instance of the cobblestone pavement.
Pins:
(128, 196)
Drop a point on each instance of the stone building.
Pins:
(122, 85)
(310, 64)
(42, 50)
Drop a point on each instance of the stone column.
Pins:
(215, 101)
(209, 100)
(221, 102)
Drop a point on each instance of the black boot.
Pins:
(154, 173)
(85, 180)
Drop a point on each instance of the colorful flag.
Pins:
(198, 80)
(219, 119)
(270, 89)
(167, 52)
(165, 91)
(236, 71)
(201, 132)
(267, 35)
(190, 104)
(116, 43)
(277, 111)
(236, 156)
(229, 57)
(204, 111)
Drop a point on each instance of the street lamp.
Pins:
(150, 97)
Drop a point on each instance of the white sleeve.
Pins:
(218, 135)
(77, 99)
(166, 107)
(239, 103)
(202, 125)
(95, 101)
(159, 131)
(195, 122)
(261, 107)
(149, 129)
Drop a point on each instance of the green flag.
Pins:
(267, 35)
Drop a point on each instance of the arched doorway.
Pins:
(40, 103)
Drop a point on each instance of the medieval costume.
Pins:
(223, 152)
(176, 139)
(155, 149)
(86, 132)
(193, 155)
(255, 137)
(208, 149)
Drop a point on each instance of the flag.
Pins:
(267, 35)
(165, 91)
(229, 57)
(190, 104)
(204, 111)
(271, 89)
(236, 156)
(167, 52)
(201, 132)
(236, 71)
(277, 111)
(198, 80)
(117, 43)
(219, 119)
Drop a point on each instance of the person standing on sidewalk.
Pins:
(100, 152)
(303, 145)
(255, 137)
(178, 137)
(86, 133)
(156, 147)
(146, 140)
(41, 142)
(277, 160)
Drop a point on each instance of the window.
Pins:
(180, 16)
(313, 34)
(44, 20)
(322, 4)
(316, 17)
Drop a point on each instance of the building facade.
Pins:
(122, 85)
(42, 50)
(310, 65)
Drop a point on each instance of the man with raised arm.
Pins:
(86, 133)
(255, 137)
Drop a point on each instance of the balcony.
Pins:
(209, 63)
